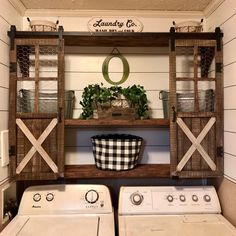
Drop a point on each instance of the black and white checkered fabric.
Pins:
(116, 151)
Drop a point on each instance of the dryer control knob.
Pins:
(37, 197)
(170, 198)
(195, 198)
(136, 198)
(49, 197)
(207, 198)
(182, 198)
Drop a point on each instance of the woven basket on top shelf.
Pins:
(42, 25)
(189, 26)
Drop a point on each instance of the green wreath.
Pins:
(125, 69)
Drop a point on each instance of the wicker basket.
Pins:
(116, 151)
(42, 25)
(188, 26)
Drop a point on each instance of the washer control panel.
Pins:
(168, 200)
(63, 199)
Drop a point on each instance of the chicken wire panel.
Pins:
(31, 101)
(41, 59)
(24, 104)
(206, 62)
(25, 61)
(195, 59)
(48, 61)
(185, 62)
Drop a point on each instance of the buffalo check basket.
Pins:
(116, 151)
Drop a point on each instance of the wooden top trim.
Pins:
(135, 39)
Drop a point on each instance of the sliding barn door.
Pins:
(196, 108)
(37, 108)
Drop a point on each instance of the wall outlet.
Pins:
(7, 197)
(4, 150)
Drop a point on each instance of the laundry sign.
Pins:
(112, 24)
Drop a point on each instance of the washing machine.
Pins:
(63, 210)
(171, 211)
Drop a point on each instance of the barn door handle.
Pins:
(174, 114)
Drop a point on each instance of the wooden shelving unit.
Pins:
(101, 39)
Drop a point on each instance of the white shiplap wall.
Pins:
(148, 67)
(225, 17)
(8, 16)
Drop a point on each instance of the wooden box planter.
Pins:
(116, 109)
(114, 103)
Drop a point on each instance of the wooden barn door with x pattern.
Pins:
(37, 108)
(196, 108)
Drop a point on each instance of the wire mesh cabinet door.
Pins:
(196, 107)
(37, 108)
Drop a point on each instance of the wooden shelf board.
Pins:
(152, 123)
(140, 171)
(138, 39)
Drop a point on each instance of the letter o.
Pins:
(125, 69)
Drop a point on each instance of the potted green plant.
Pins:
(95, 95)
(136, 94)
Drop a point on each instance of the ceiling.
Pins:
(152, 5)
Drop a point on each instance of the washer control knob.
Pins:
(136, 198)
(49, 197)
(170, 198)
(182, 198)
(37, 197)
(92, 196)
(195, 198)
(207, 198)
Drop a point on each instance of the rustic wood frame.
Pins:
(31, 167)
(148, 39)
(193, 123)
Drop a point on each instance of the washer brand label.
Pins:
(109, 24)
(36, 206)
(91, 206)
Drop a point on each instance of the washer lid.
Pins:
(184, 225)
(57, 225)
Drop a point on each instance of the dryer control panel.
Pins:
(66, 199)
(168, 200)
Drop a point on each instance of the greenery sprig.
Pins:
(94, 94)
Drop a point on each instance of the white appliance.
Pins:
(63, 210)
(171, 211)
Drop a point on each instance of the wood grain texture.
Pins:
(185, 161)
(154, 123)
(140, 171)
(36, 122)
(130, 40)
